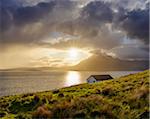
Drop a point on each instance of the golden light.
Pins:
(72, 78)
(73, 53)
(57, 57)
(76, 55)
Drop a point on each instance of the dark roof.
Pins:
(102, 77)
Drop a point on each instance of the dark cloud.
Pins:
(136, 24)
(129, 52)
(9, 3)
(5, 20)
(33, 23)
(92, 16)
(96, 13)
(25, 15)
(6, 10)
(99, 24)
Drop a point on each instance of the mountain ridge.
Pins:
(107, 63)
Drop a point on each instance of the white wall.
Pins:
(91, 80)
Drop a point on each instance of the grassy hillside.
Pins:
(123, 98)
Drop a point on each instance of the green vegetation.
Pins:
(123, 98)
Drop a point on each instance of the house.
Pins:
(96, 78)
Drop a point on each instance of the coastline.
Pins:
(119, 98)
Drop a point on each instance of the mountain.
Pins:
(94, 63)
(107, 63)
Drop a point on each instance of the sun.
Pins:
(73, 53)
(76, 55)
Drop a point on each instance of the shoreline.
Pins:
(60, 87)
(85, 100)
(42, 91)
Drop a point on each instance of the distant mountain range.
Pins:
(95, 63)
(107, 63)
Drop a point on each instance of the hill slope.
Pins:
(106, 63)
(122, 98)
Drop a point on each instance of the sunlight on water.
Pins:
(12, 83)
(72, 78)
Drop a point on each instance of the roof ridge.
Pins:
(102, 77)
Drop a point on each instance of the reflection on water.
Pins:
(36, 81)
(72, 78)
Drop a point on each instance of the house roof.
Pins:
(102, 77)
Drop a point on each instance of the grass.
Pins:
(123, 98)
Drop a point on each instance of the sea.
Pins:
(22, 82)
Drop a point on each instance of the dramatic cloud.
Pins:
(128, 52)
(65, 14)
(97, 13)
(26, 15)
(136, 24)
(93, 24)
(33, 23)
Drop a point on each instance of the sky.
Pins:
(57, 33)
